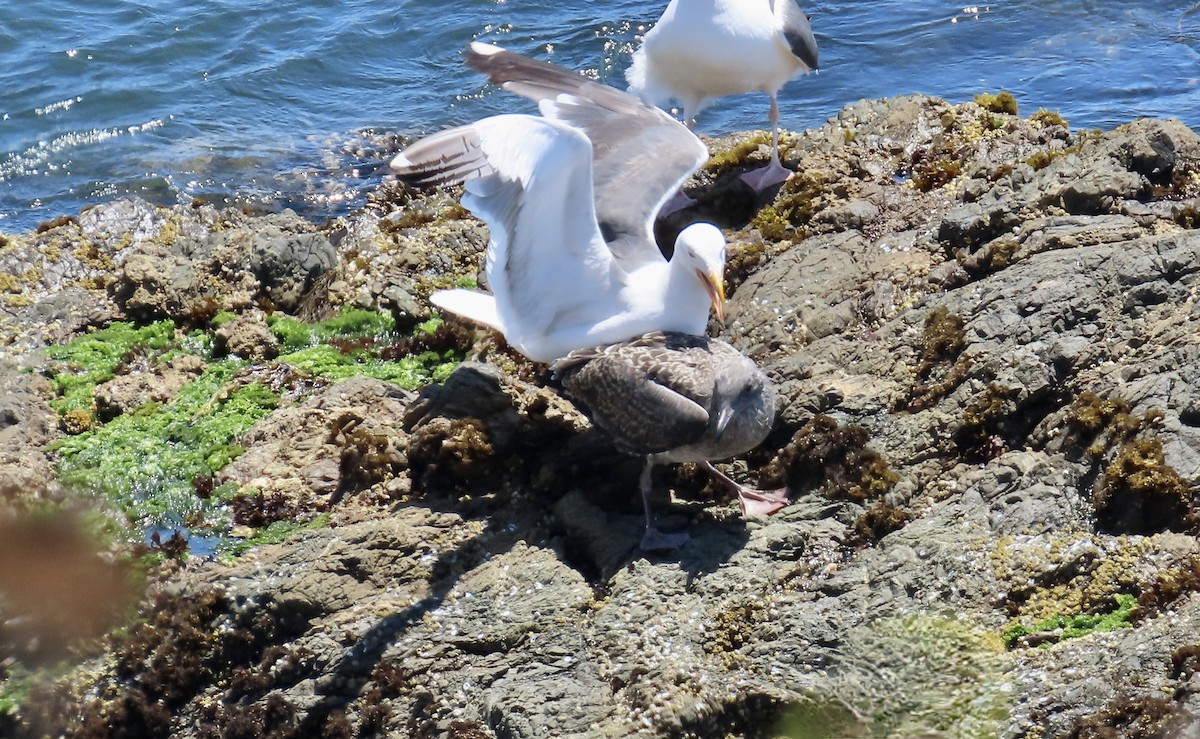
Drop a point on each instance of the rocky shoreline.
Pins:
(985, 335)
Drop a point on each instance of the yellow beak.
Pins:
(714, 285)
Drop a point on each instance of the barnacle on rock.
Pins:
(1061, 575)
(1135, 717)
(733, 628)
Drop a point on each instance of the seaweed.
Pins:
(1048, 118)
(1059, 628)
(144, 464)
(1140, 493)
(1134, 717)
(942, 340)
(834, 458)
(999, 102)
(880, 519)
(77, 368)
(987, 419)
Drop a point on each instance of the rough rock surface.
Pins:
(985, 335)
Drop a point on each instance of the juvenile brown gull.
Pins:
(676, 398)
(704, 49)
(570, 200)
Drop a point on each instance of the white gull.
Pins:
(570, 199)
(704, 49)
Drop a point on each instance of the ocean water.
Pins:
(279, 104)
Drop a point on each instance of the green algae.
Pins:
(410, 372)
(1061, 628)
(273, 533)
(352, 344)
(145, 463)
(92, 359)
(15, 689)
(350, 323)
(220, 318)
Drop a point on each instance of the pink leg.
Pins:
(774, 173)
(752, 500)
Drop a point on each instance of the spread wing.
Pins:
(642, 156)
(530, 179)
(796, 29)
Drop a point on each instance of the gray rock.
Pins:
(998, 350)
(287, 263)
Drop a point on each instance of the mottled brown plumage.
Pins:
(676, 398)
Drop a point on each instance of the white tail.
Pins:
(469, 304)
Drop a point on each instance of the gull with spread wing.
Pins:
(570, 198)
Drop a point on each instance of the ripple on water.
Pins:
(130, 93)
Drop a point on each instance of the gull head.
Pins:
(701, 246)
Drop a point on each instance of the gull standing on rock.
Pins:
(570, 199)
(676, 398)
(704, 49)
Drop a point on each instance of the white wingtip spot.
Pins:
(401, 162)
(479, 47)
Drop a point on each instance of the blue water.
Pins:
(269, 104)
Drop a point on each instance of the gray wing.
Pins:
(641, 155)
(797, 31)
